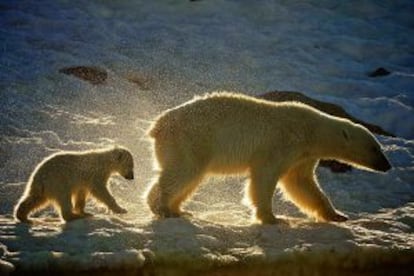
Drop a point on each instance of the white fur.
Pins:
(68, 178)
(231, 133)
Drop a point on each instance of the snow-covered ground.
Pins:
(174, 50)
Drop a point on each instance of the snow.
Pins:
(178, 49)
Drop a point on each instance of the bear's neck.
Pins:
(327, 141)
(105, 165)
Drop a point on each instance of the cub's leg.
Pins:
(27, 205)
(263, 180)
(79, 200)
(103, 195)
(64, 203)
(300, 186)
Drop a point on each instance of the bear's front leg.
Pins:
(301, 187)
(103, 195)
(79, 203)
(64, 202)
(263, 180)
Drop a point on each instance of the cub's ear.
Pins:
(118, 155)
(345, 134)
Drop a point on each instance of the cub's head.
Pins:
(123, 162)
(359, 147)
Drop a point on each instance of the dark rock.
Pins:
(143, 81)
(92, 74)
(379, 72)
(330, 108)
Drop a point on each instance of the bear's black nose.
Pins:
(387, 166)
(383, 164)
(129, 176)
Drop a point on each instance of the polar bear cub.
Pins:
(273, 142)
(66, 179)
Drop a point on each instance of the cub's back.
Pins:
(67, 164)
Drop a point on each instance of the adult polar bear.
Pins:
(274, 142)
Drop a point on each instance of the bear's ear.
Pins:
(345, 134)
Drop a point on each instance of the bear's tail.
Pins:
(166, 125)
(154, 131)
(157, 130)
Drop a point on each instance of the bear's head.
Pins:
(358, 146)
(123, 162)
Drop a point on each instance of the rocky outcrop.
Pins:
(92, 74)
(379, 72)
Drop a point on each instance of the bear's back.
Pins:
(67, 163)
(231, 110)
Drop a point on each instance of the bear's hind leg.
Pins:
(260, 191)
(301, 187)
(173, 187)
(26, 206)
(182, 171)
(180, 195)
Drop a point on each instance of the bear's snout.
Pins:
(382, 164)
(130, 176)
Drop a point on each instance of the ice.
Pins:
(160, 53)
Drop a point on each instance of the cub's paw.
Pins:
(86, 215)
(168, 213)
(26, 220)
(186, 214)
(120, 210)
(340, 217)
(334, 216)
(276, 221)
(71, 216)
